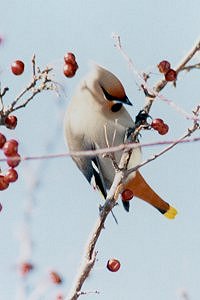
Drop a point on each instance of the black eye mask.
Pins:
(109, 97)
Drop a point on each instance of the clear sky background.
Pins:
(160, 258)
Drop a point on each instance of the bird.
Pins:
(96, 118)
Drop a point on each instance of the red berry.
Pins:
(2, 140)
(127, 195)
(157, 124)
(164, 66)
(11, 122)
(69, 70)
(11, 175)
(113, 265)
(55, 277)
(171, 75)
(25, 268)
(164, 129)
(17, 67)
(69, 58)
(10, 148)
(3, 183)
(13, 161)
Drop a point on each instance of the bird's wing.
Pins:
(89, 165)
(98, 176)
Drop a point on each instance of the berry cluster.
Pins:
(165, 68)
(70, 65)
(160, 126)
(10, 149)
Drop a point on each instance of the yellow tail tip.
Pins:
(171, 213)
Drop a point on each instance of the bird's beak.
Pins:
(126, 101)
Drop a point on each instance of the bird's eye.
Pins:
(116, 107)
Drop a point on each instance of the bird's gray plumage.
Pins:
(92, 120)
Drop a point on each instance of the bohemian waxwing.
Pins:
(95, 117)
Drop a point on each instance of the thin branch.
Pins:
(151, 94)
(88, 292)
(84, 273)
(162, 83)
(110, 155)
(103, 151)
(191, 130)
(33, 65)
(191, 67)
(188, 57)
(180, 140)
(37, 91)
(118, 45)
(41, 77)
(4, 91)
(40, 81)
(2, 94)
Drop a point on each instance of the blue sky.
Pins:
(159, 258)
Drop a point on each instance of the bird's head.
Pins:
(107, 88)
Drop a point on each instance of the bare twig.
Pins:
(34, 65)
(181, 139)
(162, 83)
(191, 130)
(40, 82)
(151, 94)
(89, 292)
(191, 67)
(44, 84)
(118, 45)
(2, 94)
(188, 57)
(105, 150)
(110, 155)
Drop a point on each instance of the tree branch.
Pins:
(121, 172)
(90, 255)
(40, 82)
(162, 83)
(181, 139)
(191, 67)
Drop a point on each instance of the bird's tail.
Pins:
(142, 190)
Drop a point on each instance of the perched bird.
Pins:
(95, 119)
